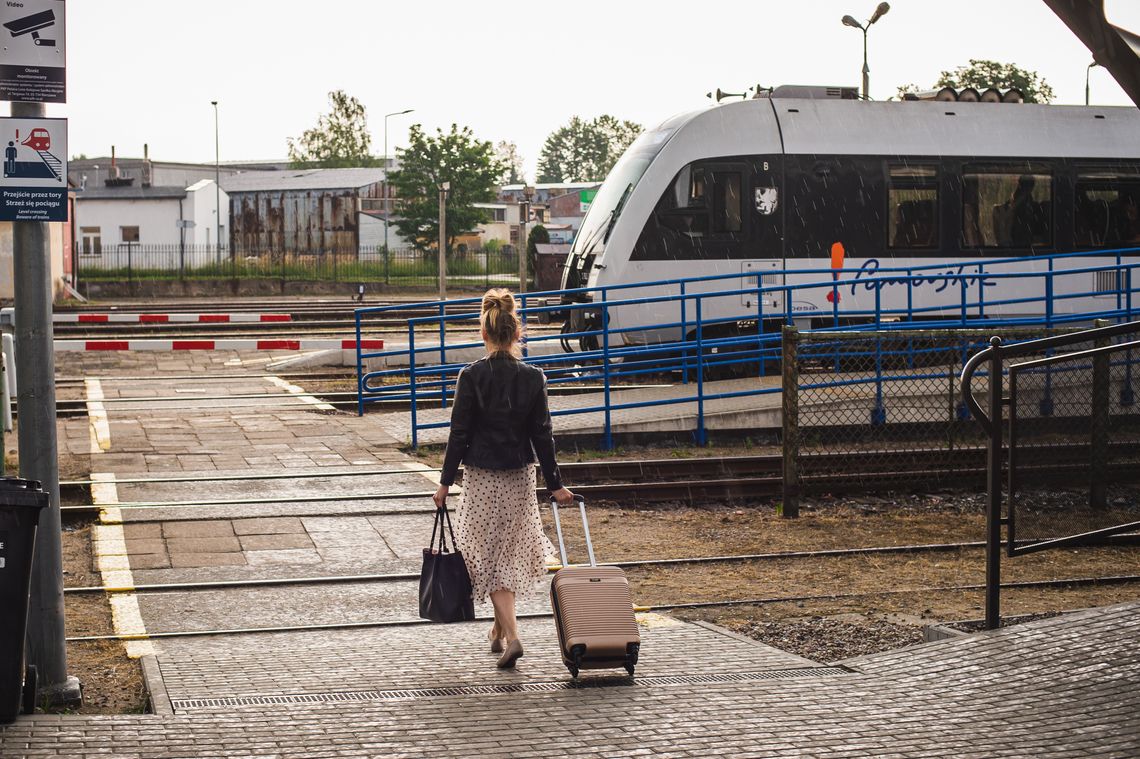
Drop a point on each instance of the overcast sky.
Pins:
(145, 71)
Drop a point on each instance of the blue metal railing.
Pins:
(692, 345)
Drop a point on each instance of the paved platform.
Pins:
(1062, 687)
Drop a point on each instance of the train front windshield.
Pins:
(623, 177)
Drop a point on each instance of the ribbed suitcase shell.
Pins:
(593, 611)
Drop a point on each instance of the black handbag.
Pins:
(445, 585)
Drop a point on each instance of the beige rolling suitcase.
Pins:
(593, 610)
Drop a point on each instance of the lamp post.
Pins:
(880, 11)
(444, 189)
(387, 206)
(217, 188)
(524, 217)
(1088, 71)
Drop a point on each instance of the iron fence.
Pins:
(397, 267)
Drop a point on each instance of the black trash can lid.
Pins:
(17, 492)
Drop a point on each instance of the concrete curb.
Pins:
(155, 686)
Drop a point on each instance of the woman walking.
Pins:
(500, 422)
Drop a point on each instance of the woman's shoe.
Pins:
(513, 653)
(496, 642)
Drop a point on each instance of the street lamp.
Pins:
(1087, 72)
(880, 11)
(387, 207)
(217, 187)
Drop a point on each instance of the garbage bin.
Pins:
(20, 504)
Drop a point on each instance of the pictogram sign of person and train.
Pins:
(46, 165)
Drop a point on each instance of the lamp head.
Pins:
(850, 21)
(879, 12)
(214, 103)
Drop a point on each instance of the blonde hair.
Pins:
(501, 325)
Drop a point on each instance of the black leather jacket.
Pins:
(500, 419)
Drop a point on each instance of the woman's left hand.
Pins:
(440, 496)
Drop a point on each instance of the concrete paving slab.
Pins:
(219, 544)
(277, 557)
(315, 525)
(405, 534)
(149, 561)
(275, 542)
(206, 559)
(197, 529)
(269, 526)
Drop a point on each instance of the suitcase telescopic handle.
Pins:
(585, 528)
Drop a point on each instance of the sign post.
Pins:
(33, 191)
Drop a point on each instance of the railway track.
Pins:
(694, 480)
(1068, 582)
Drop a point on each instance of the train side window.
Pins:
(1007, 206)
(912, 206)
(1107, 208)
(727, 213)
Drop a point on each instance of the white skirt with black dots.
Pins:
(499, 531)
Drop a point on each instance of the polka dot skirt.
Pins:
(499, 531)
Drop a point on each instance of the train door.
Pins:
(765, 265)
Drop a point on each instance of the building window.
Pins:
(912, 207)
(129, 234)
(91, 241)
(1007, 207)
(1107, 208)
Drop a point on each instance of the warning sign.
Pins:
(33, 185)
(32, 56)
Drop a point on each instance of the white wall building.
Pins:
(151, 227)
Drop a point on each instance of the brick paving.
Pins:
(1055, 688)
(1065, 687)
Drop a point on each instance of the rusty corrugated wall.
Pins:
(297, 221)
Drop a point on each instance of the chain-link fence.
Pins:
(397, 267)
(1073, 432)
(880, 408)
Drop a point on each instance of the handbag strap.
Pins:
(443, 516)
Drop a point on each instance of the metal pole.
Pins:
(217, 188)
(443, 188)
(35, 376)
(387, 164)
(866, 69)
(993, 482)
(524, 211)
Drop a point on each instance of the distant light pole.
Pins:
(217, 187)
(387, 208)
(524, 251)
(444, 188)
(850, 21)
(1087, 72)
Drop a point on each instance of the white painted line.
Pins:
(108, 540)
(299, 392)
(97, 417)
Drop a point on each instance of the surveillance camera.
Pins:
(31, 25)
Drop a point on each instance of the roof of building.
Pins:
(302, 179)
(131, 193)
(551, 186)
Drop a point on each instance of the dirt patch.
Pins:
(828, 639)
(112, 682)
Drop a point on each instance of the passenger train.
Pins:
(808, 179)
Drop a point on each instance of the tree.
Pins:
(983, 74)
(585, 151)
(508, 155)
(339, 140)
(457, 157)
(538, 236)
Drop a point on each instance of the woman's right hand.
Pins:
(440, 496)
(563, 496)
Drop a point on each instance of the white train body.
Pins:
(771, 185)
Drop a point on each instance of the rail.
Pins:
(676, 337)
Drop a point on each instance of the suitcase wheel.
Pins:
(31, 681)
(573, 672)
(629, 669)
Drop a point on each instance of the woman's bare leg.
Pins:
(504, 603)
